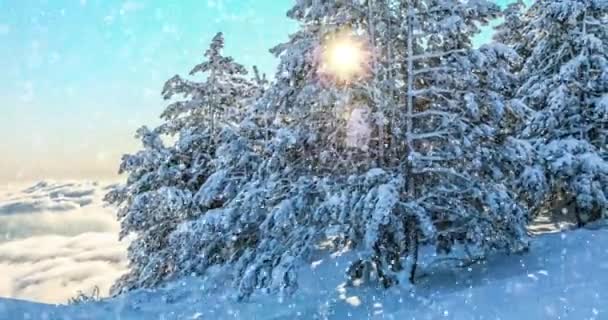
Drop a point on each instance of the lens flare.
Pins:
(343, 58)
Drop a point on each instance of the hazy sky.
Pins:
(79, 76)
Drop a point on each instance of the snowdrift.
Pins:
(564, 276)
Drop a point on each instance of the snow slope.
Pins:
(564, 276)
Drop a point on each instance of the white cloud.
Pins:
(45, 197)
(53, 268)
(57, 239)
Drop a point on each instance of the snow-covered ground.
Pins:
(57, 238)
(564, 276)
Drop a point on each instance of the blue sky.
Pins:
(79, 76)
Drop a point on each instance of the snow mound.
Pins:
(564, 276)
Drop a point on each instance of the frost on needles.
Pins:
(250, 180)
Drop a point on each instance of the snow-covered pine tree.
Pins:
(212, 101)
(454, 119)
(291, 205)
(566, 81)
(518, 157)
(312, 191)
(194, 170)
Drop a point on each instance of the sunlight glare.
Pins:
(343, 58)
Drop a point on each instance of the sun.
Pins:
(343, 58)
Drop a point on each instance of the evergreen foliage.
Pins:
(428, 141)
(564, 82)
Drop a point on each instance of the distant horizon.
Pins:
(90, 72)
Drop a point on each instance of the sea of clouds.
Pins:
(56, 239)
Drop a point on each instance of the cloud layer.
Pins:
(57, 239)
